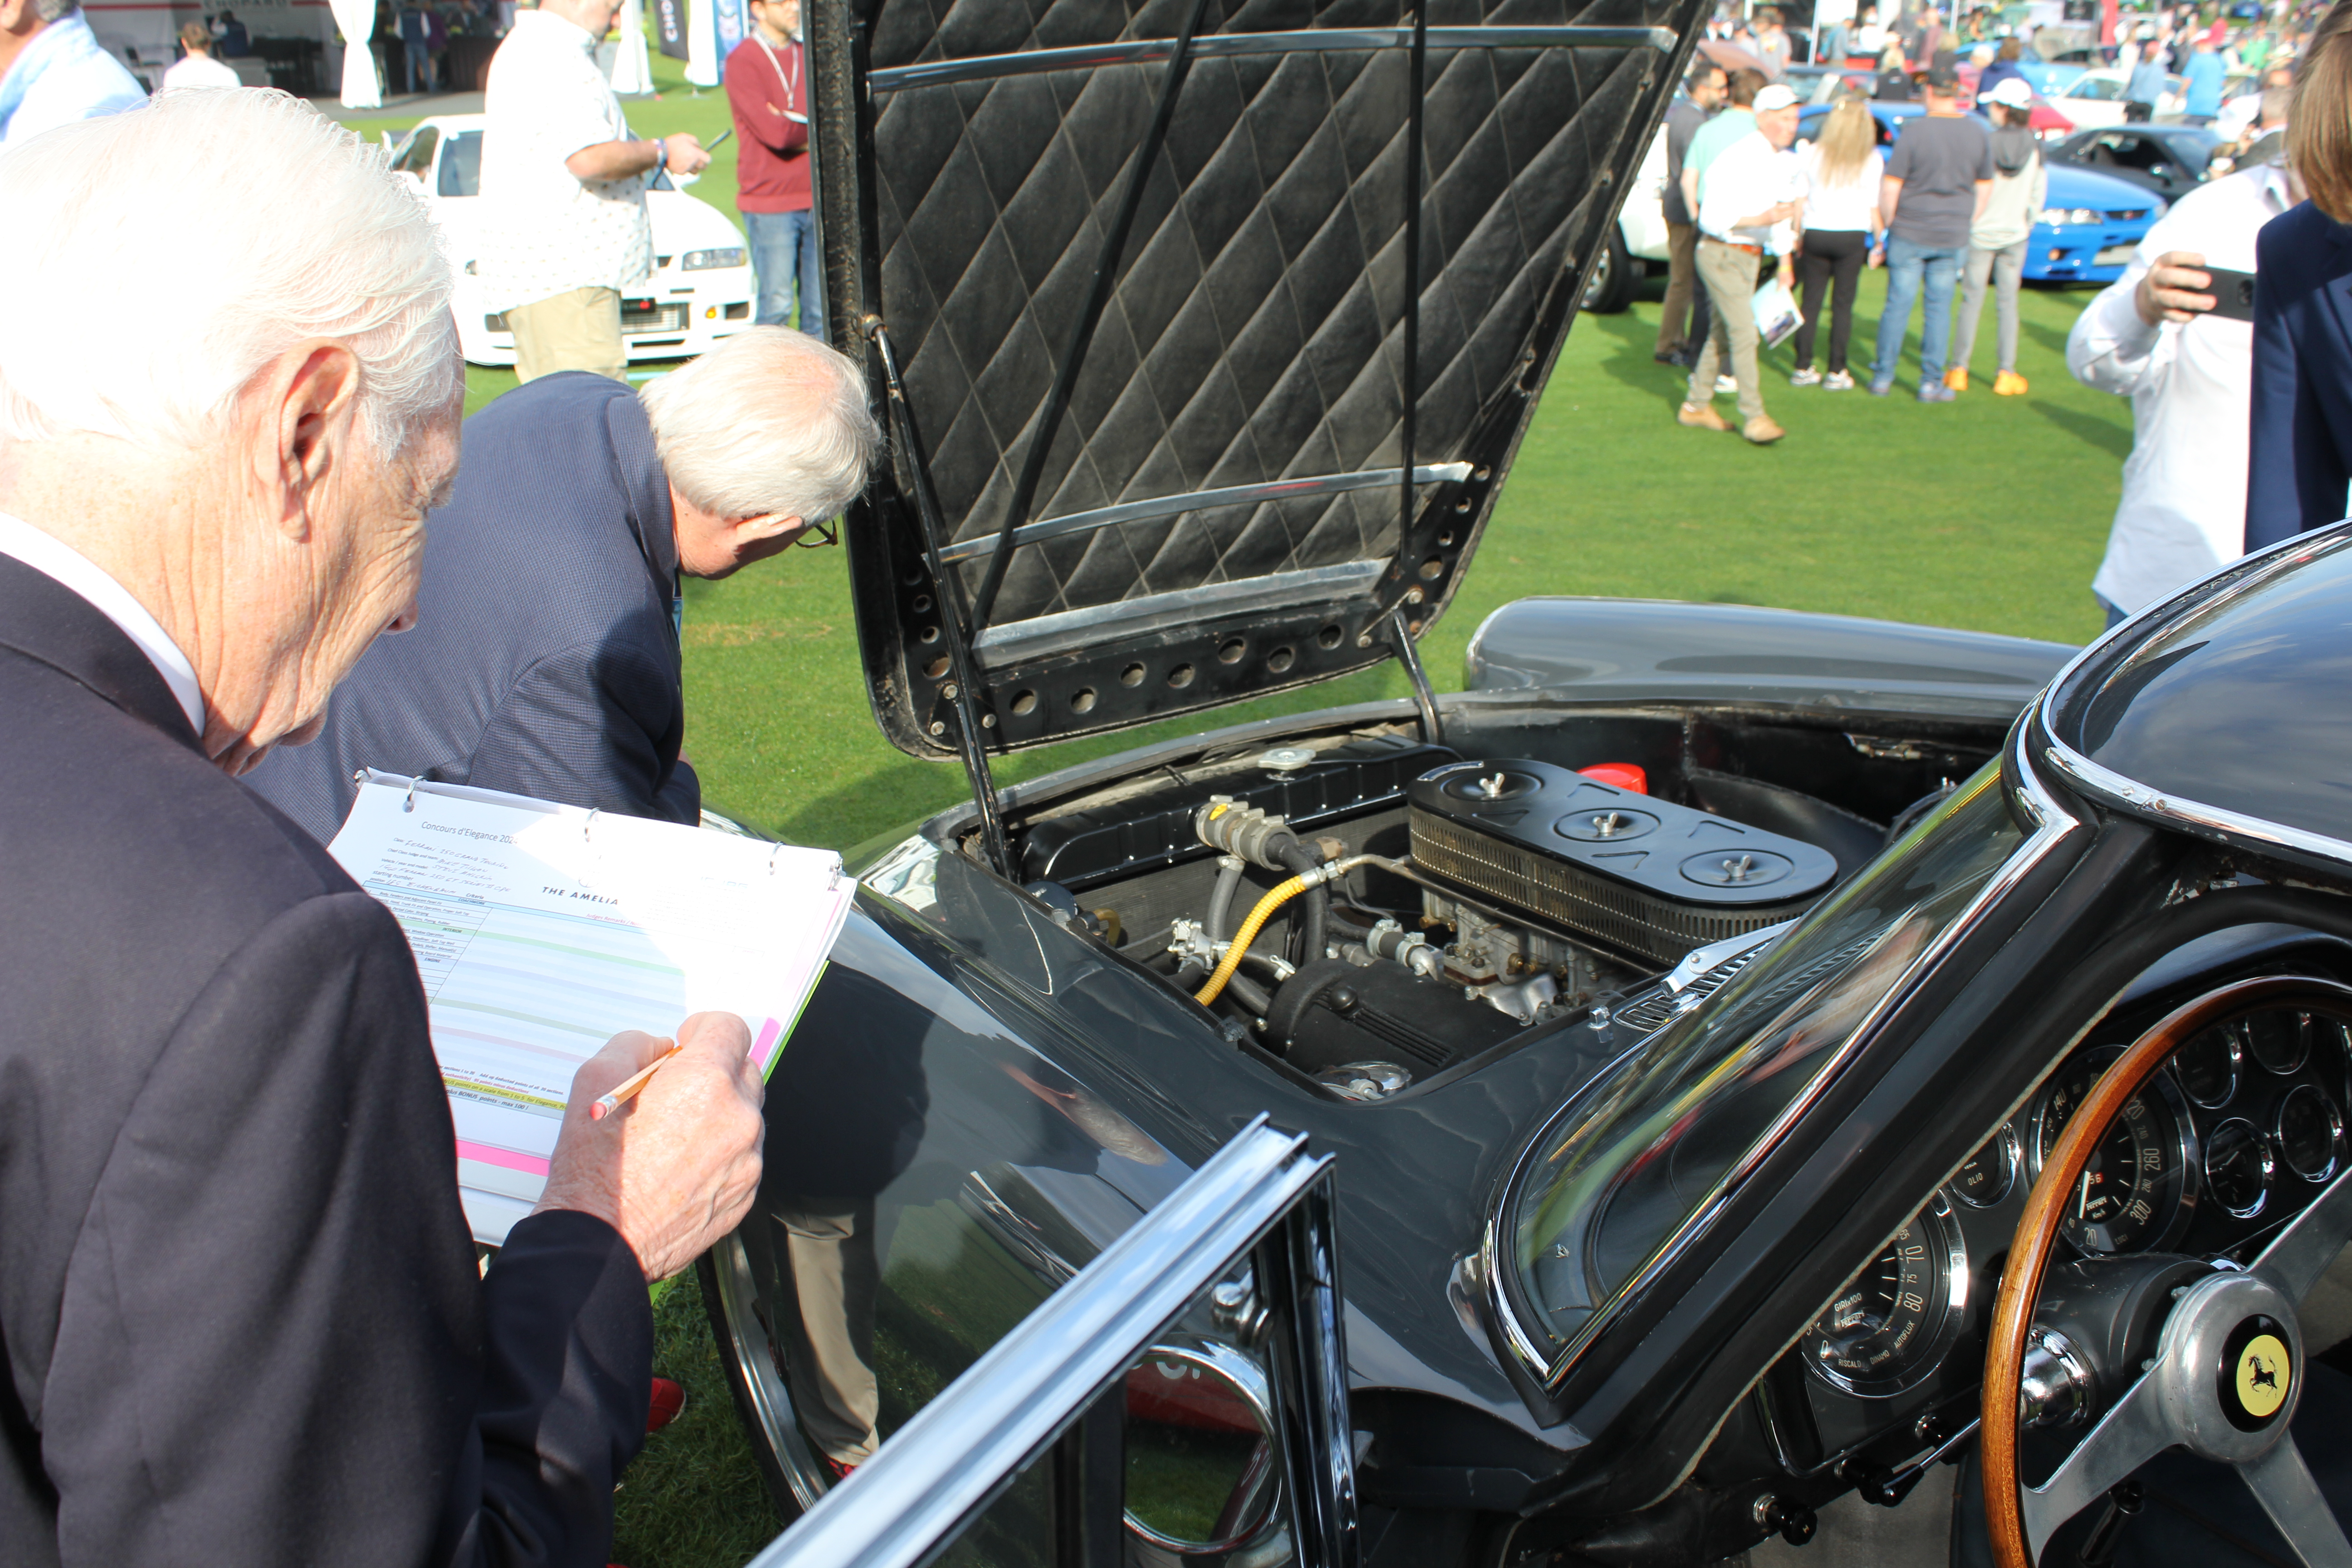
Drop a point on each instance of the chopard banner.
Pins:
(668, 27)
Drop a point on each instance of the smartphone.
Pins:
(2233, 293)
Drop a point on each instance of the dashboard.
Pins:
(2242, 1129)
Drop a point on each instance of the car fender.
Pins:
(1642, 650)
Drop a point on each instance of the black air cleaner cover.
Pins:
(1664, 849)
(1646, 875)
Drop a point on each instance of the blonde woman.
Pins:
(1841, 171)
(1997, 240)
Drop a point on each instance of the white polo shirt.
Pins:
(544, 230)
(1746, 178)
(200, 70)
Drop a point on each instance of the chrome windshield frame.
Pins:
(2050, 825)
(2135, 798)
(1262, 1199)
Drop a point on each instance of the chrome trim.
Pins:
(2133, 798)
(2334, 1133)
(1702, 961)
(1228, 45)
(1203, 500)
(1071, 629)
(1249, 1381)
(958, 1453)
(2051, 823)
(770, 1396)
(2267, 1163)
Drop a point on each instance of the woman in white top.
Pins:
(1841, 171)
(1997, 240)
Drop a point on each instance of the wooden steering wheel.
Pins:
(2228, 1367)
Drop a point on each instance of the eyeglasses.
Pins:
(817, 535)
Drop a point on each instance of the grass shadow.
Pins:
(1633, 339)
(2106, 434)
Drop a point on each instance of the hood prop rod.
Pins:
(954, 621)
(1082, 331)
(1409, 416)
(1398, 637)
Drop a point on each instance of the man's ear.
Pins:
(773, 525)
(307, 403)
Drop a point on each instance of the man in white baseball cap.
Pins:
(1748, 208)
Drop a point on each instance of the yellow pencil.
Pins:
(626, 1090)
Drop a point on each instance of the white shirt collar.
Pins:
(47, 554)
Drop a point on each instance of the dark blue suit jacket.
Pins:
(545, 658)
(2299, 457)
(239, 1316)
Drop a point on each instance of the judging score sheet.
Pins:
(542, 930)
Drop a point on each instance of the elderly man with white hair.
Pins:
(547, 663)
(242, 1310)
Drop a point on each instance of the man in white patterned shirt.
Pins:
(564, 191)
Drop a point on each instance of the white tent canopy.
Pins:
(361, 89)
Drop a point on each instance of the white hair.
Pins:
(172, 251)
(769, 421)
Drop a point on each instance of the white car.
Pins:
(2097, 98)
(1639, 240)
(701, 290)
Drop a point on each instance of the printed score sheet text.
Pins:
(542, 930)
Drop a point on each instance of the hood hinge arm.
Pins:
(1082, 331)
(954, 620)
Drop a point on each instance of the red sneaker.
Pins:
(668, 1400)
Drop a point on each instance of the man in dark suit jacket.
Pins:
(546, 659)
(240, 1307)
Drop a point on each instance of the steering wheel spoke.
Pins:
(2282, 1483)
(2127, 1437)
(2300, 1254)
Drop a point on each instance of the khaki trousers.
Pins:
(1682, 276)
(829, 1344)
(578, 329)
(1730, 275)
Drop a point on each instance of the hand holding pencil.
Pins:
(678, 1170)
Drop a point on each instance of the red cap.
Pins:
(1625, 775)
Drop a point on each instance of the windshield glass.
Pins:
(1621, 1173)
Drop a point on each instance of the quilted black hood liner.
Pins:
(1256, 332)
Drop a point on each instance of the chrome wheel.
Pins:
(756, 1372)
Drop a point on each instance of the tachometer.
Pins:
(2136, 1188)
(1889, 1327)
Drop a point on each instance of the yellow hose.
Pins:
(1245, 935)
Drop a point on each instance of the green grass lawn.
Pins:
(1989, 514)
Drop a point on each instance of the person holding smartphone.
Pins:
(2174, 334)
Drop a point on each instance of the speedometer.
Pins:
(2136, 1187)
(1890, 1327)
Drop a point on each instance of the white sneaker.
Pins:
(1808, 376)
(1725, 386)
(1837, 381)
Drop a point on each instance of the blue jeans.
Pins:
(1907, 264)
(784, 252)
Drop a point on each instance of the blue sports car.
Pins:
(2089, 223)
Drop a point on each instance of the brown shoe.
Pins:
(1699, 416)
(1763, 431)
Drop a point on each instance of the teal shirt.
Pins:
(1713, 137)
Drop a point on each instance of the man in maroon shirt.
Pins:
(767, 87)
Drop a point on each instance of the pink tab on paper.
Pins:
(765, 1046)
(529, 1165)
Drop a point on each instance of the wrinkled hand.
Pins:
(674, 1169)
(686, 155)
(2172, 289)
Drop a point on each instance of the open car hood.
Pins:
(1220, 510)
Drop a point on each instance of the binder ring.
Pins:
(408, 801)
(590, 822)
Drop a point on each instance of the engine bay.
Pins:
(1372, 910)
